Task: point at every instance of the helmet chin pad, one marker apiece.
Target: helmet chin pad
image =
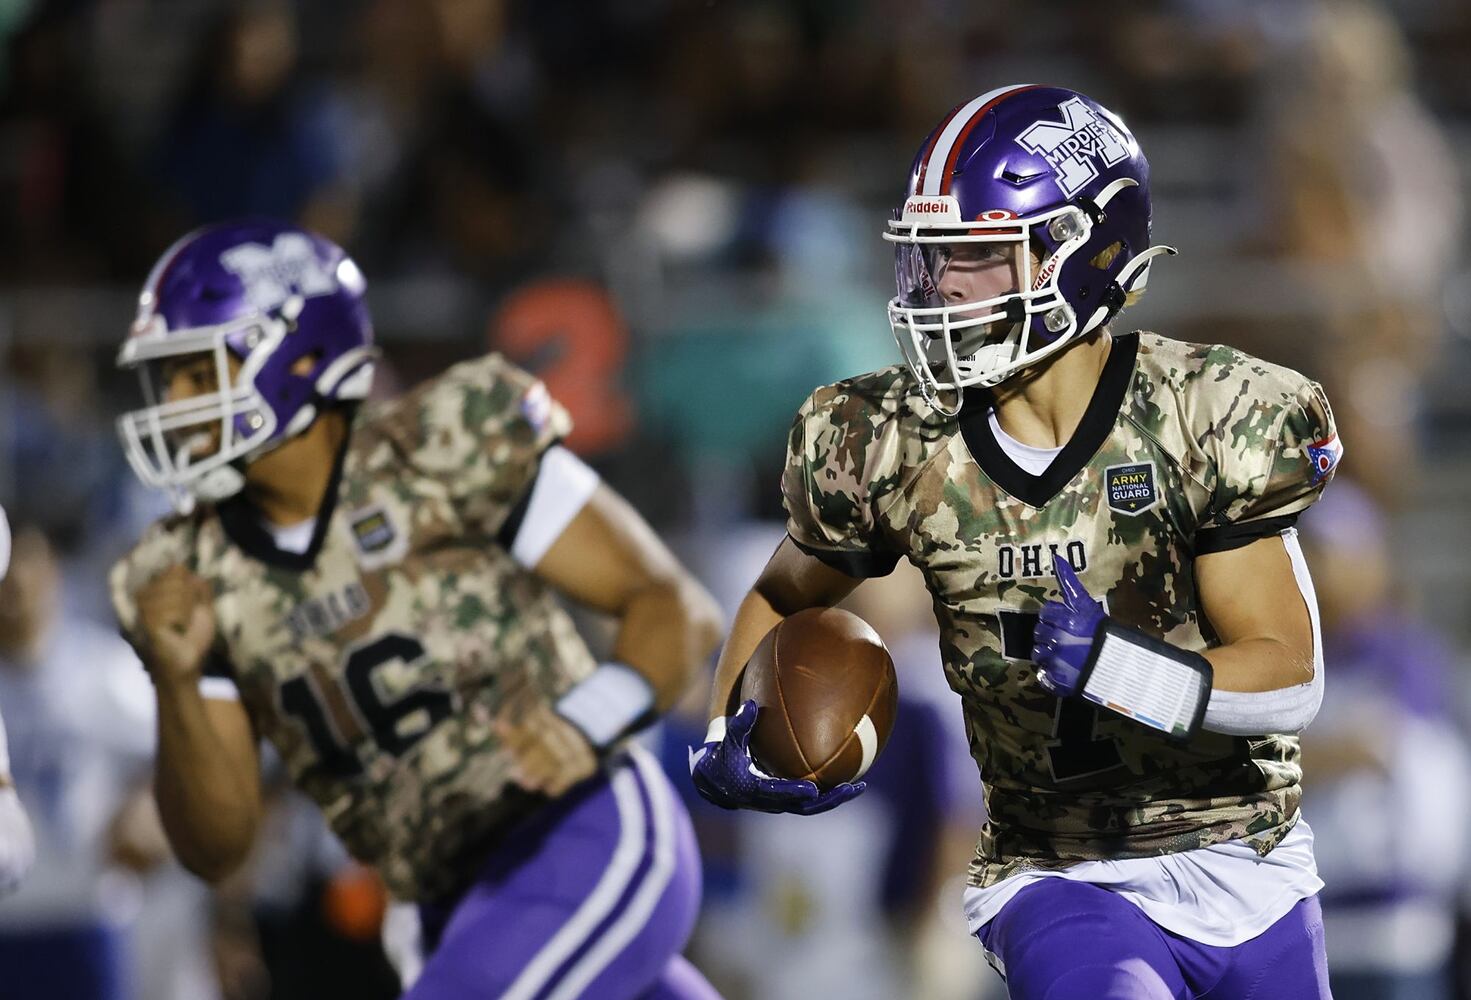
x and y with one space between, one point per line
991 355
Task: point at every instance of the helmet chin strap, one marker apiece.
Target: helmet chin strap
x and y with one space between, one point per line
931 395
992 352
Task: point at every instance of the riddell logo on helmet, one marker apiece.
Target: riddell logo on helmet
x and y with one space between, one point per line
936 207
1045 274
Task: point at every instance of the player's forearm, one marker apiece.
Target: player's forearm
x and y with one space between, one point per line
753 620
209 808
667 630
792 581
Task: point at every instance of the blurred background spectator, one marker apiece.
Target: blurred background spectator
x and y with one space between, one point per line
80 720
671 212
248 136
1391 774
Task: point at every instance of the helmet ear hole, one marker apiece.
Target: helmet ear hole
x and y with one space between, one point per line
1104 259
303 366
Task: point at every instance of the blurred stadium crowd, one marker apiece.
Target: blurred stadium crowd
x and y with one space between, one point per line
671 211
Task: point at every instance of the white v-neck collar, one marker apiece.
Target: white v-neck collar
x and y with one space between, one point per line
1032 459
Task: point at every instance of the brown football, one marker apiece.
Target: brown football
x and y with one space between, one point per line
826 689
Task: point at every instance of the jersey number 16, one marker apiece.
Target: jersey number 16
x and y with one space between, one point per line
393 725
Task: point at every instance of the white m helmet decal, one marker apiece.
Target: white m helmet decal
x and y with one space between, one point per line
272 274
1071 145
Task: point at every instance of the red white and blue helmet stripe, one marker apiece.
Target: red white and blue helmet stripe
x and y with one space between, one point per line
937 165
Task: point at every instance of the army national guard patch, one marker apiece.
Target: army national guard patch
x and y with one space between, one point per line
378 542
1131 488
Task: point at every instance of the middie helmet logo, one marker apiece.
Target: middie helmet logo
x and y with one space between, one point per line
1071 145
272 274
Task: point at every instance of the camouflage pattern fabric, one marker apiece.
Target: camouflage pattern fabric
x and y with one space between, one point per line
1207 442
375 670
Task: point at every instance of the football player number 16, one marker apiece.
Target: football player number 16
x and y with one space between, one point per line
394 726
1075 750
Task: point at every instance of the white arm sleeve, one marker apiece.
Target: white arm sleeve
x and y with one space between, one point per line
403 941
1251 713
564 483
1285 710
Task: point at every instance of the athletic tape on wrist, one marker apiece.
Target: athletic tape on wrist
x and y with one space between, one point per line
716 732
608 704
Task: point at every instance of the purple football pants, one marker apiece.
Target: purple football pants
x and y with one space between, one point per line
593 897
1063 940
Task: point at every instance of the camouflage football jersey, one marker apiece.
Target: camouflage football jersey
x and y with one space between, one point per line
375 661
1183 450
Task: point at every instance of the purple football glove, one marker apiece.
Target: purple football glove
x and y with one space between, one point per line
1065 631
724 774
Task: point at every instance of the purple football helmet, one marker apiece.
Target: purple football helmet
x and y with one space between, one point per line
287 306
1028 168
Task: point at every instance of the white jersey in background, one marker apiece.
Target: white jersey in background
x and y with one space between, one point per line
81 738
17 844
